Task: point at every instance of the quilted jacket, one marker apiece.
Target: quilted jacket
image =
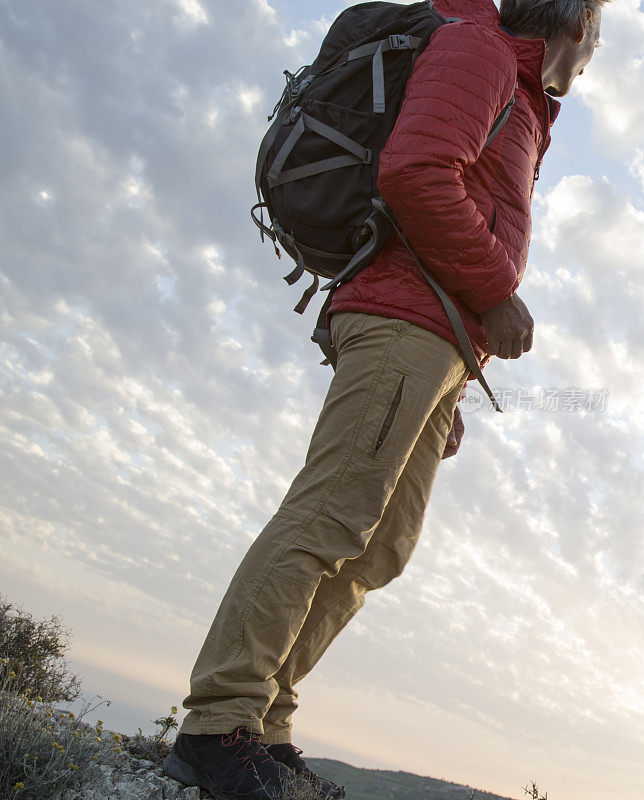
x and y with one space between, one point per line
467 217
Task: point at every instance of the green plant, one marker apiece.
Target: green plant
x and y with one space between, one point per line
33 651
533 791
41 755
155 747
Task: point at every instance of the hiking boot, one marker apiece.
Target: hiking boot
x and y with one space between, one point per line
232 765
289 755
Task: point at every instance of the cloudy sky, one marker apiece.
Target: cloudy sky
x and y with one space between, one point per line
158 396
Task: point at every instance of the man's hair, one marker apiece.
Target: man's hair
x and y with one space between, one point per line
546 18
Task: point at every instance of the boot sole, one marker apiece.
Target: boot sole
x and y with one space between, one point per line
181 771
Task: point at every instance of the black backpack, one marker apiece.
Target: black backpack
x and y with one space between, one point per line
318 164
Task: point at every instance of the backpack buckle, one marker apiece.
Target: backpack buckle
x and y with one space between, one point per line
300 88
293 116
400 41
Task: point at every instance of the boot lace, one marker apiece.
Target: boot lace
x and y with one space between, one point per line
244 740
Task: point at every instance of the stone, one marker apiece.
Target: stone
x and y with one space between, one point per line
171 790
122 776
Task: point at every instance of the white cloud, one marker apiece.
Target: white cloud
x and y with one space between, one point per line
193 11
159 395
636 167
611 84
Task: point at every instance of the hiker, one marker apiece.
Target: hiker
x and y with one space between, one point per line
352 516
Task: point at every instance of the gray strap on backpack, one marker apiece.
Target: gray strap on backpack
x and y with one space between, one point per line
450 309
304 122
395 42
378 74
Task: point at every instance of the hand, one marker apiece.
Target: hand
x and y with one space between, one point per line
509 328
455 435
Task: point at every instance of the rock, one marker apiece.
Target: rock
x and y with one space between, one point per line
122 776
171 790
141 763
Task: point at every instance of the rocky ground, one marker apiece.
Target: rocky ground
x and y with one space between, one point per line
130 775
130 778
123 776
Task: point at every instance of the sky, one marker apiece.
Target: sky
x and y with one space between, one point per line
158 396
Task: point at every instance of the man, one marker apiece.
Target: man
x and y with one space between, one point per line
351 519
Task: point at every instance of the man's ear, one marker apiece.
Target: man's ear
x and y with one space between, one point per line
582 29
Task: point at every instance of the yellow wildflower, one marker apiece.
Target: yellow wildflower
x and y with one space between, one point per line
19 785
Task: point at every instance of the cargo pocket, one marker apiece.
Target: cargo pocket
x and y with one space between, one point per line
389 419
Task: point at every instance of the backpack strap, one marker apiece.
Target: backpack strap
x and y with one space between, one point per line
357 153
322 335
378 235
500 121
297 273
394 42
450 309
300 308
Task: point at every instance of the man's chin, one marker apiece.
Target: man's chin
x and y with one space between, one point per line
553 92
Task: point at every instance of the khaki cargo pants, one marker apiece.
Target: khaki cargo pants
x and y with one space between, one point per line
348 524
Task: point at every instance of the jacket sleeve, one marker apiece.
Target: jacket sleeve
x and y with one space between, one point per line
458 87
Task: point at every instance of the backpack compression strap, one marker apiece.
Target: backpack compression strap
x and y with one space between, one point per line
450 309
376 49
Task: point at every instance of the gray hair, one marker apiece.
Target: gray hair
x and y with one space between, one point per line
546 18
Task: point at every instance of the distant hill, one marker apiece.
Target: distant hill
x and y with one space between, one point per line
380 784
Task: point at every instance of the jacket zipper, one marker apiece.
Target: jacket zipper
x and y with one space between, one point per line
493 220
386 425
546 130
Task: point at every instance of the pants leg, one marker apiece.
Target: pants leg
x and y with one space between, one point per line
339 598
391 376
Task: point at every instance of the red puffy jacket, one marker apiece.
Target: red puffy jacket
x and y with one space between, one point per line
467 217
